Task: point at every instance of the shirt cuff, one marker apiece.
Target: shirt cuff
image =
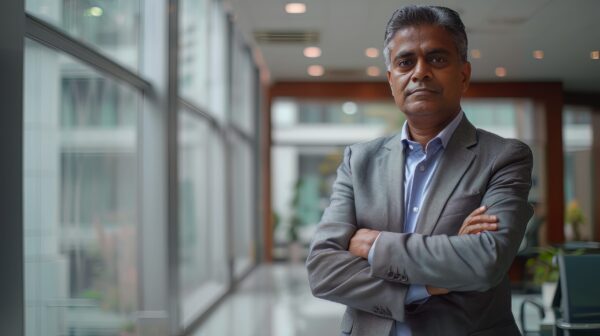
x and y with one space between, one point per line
372 250
416 294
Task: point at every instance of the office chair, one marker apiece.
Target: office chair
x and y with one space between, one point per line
579 295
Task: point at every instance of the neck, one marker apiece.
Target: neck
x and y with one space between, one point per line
423 131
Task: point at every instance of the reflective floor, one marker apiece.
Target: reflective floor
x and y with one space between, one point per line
275 300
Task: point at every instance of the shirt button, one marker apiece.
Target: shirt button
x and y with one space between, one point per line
415 209
422 167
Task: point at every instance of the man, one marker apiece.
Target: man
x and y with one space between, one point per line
423 225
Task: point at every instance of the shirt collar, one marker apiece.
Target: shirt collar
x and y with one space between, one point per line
443 136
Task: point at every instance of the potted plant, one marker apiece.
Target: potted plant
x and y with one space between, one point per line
544 269
574 218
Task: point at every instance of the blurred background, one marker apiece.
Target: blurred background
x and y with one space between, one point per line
167 162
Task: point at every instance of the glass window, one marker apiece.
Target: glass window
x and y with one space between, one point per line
243 205
113 27
243 88
80 202
219 62
288 112
578 173
194 51
202 252
302 181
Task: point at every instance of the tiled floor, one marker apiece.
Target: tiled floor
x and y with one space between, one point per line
274 300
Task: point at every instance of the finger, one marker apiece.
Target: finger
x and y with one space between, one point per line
478 228
483 219
478 211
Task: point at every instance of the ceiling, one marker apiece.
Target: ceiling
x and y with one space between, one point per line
505 31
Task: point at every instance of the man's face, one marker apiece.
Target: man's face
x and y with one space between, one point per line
427 76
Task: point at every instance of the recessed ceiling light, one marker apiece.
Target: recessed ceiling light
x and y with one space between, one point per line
538 54
295 8
312 52
372 52
475 53
373 71
595 54
349 108
500 71
316 70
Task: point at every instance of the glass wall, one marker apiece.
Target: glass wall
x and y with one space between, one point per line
578 139
94 116
215 155
80 198
112 27
202 251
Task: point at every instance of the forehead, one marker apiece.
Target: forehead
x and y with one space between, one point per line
422 38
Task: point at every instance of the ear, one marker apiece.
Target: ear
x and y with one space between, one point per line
389 78
466 75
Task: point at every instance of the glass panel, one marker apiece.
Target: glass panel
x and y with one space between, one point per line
244 83
219 62
202 252
111 26
243 206
290 112
302 181
194 50
80 168
578 173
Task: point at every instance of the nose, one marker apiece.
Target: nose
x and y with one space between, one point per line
422 71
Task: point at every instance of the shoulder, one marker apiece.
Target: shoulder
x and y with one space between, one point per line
371 147
360 155
491 140
503 149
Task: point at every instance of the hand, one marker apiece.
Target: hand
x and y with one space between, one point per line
475 223
361 242
436 291
478 222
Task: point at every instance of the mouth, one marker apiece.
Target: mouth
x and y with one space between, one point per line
421 91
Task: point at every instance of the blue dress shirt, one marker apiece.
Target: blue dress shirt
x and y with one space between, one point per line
419 167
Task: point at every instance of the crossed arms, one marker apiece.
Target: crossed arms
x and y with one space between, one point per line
458 263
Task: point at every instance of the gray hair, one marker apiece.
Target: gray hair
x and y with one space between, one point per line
431 15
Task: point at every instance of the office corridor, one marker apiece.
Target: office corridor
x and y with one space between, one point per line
275 300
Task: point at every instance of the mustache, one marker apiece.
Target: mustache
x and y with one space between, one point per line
427 88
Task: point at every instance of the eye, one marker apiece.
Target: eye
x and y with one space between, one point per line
404 63
438 59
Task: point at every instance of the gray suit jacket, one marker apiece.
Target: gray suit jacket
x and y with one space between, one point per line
477 168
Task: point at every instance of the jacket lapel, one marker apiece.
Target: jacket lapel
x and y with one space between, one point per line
395 184
455 161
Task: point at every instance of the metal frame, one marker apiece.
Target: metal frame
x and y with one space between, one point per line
173 167
55 38
153 245
12 318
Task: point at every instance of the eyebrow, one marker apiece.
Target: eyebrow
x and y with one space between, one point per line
438 51
429 52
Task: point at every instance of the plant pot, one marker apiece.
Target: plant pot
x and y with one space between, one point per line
548 290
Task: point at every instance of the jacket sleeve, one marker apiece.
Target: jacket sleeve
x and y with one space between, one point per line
468 262
334 273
